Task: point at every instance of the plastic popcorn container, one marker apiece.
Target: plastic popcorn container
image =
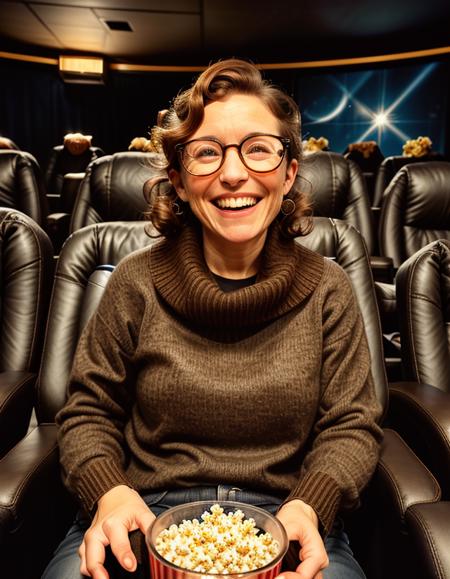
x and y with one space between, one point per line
161 568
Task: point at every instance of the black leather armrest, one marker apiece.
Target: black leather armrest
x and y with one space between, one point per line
16 404
57 217
400 481
25 474
35 509
429 527
382 268
58 226
387 304
421 414
401 477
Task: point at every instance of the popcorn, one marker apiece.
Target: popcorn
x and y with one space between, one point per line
417 147
219 543
312 145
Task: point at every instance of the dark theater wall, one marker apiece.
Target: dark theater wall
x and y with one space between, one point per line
37 108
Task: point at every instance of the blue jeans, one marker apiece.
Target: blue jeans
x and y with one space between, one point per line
66 562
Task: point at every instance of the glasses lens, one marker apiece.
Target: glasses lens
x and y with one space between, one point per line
262 153
202 157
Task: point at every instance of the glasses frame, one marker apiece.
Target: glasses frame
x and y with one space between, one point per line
285 142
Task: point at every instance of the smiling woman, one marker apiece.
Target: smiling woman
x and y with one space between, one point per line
213 141
286 415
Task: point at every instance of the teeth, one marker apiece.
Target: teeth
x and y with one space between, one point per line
233 202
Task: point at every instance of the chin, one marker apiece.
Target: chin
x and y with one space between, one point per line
243 235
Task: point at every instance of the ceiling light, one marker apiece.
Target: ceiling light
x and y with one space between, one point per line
82 69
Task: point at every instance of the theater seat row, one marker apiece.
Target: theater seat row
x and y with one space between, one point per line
416 208
403 488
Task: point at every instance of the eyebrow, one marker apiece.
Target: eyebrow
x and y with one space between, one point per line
214 138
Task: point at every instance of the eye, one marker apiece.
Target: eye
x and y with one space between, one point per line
204 151
260 148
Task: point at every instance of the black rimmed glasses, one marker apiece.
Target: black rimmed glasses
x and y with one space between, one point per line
258 152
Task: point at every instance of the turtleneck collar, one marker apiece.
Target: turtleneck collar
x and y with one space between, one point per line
288 275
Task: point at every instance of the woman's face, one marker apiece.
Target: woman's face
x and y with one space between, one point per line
258 195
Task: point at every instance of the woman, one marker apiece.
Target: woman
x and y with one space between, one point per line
224 362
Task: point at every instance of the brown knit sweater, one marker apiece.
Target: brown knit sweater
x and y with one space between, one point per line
176 383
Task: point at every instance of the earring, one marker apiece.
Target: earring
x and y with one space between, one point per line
287 207
176 208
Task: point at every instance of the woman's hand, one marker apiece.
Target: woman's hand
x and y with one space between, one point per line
119 511
301 524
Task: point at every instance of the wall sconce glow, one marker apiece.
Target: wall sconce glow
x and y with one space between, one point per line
81 64
82 69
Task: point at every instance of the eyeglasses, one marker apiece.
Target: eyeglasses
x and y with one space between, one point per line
259 152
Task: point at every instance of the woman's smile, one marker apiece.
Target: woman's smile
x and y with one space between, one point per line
236 204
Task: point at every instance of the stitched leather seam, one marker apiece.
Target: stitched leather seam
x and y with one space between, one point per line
27 478
420 521
437 488
39 260
428 415
13 394
409 323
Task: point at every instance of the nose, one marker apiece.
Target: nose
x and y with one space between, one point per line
233 170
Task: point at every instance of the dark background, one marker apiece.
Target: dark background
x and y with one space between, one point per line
37 107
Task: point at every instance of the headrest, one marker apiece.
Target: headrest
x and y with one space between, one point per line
326 177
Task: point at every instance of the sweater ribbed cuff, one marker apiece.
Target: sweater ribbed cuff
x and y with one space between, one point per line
97 478
321 492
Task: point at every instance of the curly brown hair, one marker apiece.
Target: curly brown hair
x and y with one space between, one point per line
167 212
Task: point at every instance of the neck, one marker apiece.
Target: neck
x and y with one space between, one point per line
233 260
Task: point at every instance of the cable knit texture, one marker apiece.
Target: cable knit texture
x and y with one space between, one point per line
176 383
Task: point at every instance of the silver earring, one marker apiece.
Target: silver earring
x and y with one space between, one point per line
177 210
287 207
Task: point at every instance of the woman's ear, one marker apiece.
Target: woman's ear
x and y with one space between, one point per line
291 174
177 182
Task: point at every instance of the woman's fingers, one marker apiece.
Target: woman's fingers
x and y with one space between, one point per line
117 533
94 555
144 519
300 523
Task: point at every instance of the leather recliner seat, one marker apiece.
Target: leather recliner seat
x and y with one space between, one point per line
390 166
416 210
423 303
22 185
337 188
368 160
112 189
30 486
61 162
26 274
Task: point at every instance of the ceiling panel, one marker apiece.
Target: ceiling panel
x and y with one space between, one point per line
82 29
67 16
153 33
198 31
20 23
75 28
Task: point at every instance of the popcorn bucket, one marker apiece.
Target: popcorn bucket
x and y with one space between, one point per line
161 568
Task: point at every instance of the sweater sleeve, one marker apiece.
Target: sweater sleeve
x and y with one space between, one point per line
345 437
100 394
